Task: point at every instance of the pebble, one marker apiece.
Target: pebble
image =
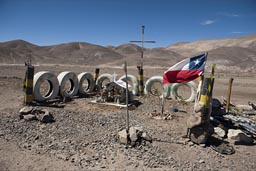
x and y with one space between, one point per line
201 161
190 143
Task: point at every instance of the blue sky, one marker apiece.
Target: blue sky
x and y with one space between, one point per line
116 22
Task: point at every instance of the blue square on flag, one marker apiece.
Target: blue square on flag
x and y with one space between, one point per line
197 62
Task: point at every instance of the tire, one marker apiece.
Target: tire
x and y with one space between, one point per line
134 81
65 76
81 78
175 87
149 83
39 78
102 78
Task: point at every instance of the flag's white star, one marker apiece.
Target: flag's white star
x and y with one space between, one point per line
197 62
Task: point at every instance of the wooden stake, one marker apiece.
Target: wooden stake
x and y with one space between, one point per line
229 94
162 106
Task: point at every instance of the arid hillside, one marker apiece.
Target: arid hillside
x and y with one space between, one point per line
240 52
236 52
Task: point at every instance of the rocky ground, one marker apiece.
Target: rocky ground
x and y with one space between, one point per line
84 136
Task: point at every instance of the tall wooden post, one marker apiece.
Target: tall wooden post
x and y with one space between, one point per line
96 74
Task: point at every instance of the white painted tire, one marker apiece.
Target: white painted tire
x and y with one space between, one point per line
193 89
81 78
102 78
39 78
134 81
65 76
149 83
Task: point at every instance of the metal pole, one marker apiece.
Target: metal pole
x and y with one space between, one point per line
229 94
127 111
142 46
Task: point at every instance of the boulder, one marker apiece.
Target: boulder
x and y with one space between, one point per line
244 107
25 110
139 130
133 135
216 107
123 137
146 137
194 120
45 116
239 136
220 132
29 117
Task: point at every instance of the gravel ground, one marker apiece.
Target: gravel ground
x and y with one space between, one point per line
84 136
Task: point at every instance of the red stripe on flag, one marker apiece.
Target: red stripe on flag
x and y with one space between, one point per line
180 76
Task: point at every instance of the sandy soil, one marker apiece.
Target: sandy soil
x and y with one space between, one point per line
84 135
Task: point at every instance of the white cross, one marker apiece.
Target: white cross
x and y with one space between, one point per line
114 76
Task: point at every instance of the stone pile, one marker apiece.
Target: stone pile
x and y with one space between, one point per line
134 136
29 113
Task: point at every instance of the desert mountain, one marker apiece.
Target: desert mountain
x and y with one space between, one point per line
200 46
17 51
240 52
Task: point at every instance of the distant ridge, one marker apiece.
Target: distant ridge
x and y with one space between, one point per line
239 52
208 45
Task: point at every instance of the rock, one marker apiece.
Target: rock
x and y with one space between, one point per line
46 117
25 110
199 134
123 136
244 107
220 132
239 136
216 107
146 137
158 117
1 133
29 117
139 130
201 161
199 107
194 120
190 143
133 135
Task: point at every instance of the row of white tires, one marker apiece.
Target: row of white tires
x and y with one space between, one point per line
57 85
172 89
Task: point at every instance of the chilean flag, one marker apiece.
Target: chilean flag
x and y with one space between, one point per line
186 70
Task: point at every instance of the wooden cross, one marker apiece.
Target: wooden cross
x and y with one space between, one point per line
142 44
